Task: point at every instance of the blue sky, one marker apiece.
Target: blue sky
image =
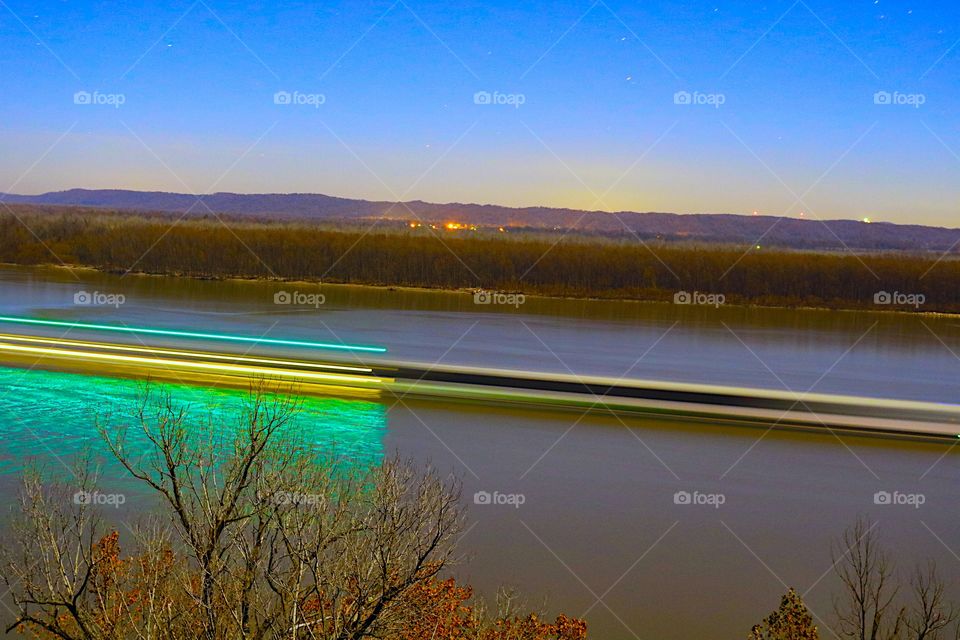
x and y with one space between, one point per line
783 115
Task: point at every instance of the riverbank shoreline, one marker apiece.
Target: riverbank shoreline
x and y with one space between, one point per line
465 292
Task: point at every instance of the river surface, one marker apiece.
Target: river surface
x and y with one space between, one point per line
599 532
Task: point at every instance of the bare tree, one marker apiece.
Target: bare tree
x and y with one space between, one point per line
257 537
48 576
870 606
930 615
866 609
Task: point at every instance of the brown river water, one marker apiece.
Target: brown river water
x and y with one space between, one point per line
589 513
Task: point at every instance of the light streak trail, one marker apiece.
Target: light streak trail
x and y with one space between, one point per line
186 364
174 352
192 334
688 401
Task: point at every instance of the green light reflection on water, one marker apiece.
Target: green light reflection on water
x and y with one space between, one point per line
47 415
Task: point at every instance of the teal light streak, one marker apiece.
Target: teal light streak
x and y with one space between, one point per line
192 334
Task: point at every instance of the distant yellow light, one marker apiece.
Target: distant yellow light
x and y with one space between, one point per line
502 230
866 220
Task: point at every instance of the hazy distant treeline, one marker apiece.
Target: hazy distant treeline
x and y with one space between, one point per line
208 248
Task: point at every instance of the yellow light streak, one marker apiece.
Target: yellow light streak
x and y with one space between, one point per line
185 364
176 352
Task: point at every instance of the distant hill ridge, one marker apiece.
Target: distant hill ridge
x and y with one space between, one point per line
710 227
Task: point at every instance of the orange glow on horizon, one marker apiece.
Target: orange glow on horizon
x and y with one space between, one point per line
459 226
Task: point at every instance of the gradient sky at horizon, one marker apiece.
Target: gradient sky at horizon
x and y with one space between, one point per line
799 129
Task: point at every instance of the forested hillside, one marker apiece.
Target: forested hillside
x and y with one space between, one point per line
710 227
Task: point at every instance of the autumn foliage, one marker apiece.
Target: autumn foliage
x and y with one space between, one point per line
125 589
447 614
253 535
791 621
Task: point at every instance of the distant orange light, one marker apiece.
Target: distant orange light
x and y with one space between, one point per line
455 226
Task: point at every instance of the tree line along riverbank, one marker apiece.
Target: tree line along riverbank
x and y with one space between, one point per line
211 247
